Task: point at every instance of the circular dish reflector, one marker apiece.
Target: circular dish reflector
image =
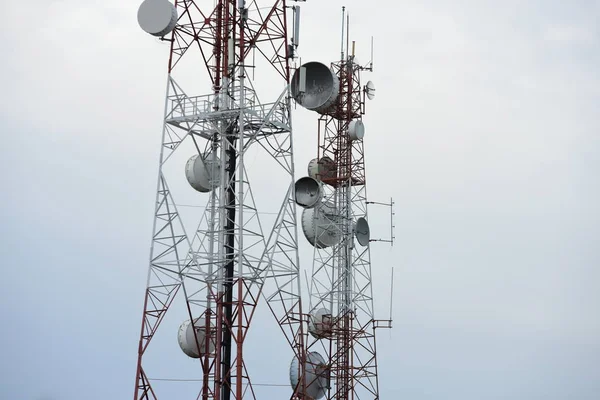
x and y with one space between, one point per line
362 231
187 341
157 17
315 86
203 173
307 192
321 169
356 129
316 375
319 323
320 227
370 90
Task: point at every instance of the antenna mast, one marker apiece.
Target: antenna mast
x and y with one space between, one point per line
334 221
210 268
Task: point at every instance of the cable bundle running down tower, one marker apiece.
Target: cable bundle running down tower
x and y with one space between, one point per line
220 261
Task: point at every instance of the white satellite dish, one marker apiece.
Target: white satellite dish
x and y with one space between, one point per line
307 192
157 17
320 323
370 90
187 340
356 129
316 375
321 169
362 231
203 173
315 87
320 227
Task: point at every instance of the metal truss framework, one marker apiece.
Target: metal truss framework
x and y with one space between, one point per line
341 277
225 265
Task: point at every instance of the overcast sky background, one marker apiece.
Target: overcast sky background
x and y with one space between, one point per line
485 130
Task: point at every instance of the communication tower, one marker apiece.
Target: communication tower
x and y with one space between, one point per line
334 220
226 255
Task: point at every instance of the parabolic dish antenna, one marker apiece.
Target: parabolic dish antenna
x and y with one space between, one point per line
320 324
370 90
187 340
203 172
316 375
362 231
157 17
356 129
320 227
315 87
307 192
321 169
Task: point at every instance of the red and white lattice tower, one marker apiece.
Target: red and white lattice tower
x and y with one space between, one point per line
209 267
334 220
215 251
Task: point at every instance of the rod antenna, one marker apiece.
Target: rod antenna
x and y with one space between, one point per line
371 62
347 34
391 295
392 226
342 44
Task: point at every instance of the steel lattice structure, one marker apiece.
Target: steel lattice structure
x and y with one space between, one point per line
341 276
223 260
225 265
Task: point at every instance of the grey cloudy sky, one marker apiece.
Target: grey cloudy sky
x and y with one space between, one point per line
485 130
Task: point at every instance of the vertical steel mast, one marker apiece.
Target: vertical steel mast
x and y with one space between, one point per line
222 266
334 197
352 351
